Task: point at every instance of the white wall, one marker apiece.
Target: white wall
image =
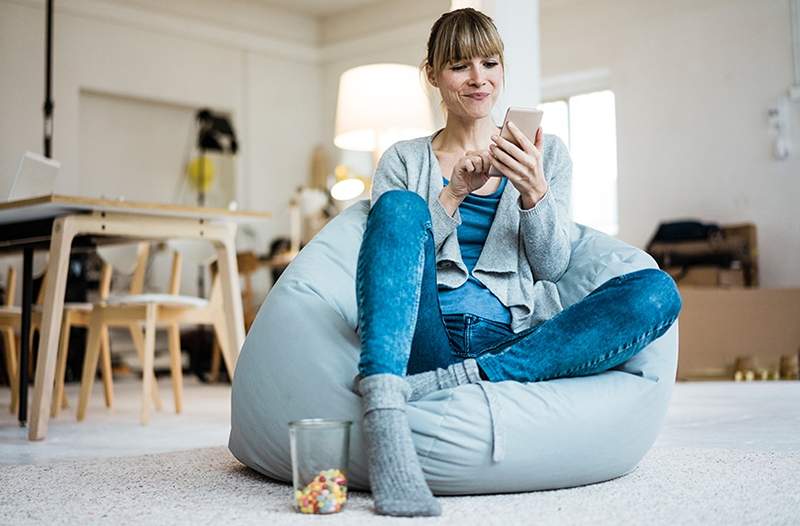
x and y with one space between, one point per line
693 80
517 22
137 149
259 64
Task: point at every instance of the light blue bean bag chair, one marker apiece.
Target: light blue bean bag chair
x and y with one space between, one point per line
301 354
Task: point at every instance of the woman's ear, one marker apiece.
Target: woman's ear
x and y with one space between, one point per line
431 78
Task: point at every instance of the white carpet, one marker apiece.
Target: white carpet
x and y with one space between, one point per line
729 453
208 486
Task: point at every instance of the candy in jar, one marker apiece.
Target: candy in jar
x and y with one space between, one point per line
326 493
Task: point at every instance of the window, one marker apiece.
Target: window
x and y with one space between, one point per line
587 125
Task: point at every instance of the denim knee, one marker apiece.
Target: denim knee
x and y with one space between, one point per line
660 294
400 208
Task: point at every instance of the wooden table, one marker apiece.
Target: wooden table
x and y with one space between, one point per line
59 221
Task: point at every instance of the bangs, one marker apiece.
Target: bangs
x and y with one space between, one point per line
464 37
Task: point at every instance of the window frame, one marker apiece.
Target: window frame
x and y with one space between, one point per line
561 89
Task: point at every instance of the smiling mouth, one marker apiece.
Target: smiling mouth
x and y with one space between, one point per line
478 96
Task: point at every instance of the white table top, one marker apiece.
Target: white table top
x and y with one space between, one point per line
50 206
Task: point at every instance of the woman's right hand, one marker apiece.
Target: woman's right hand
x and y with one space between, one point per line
469 173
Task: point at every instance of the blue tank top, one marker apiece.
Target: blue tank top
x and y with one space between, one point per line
477 214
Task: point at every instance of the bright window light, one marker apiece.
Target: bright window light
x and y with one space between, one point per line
587 125
556 119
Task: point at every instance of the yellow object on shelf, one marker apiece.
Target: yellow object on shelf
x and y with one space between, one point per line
201 173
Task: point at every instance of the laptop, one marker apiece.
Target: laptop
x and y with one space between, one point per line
36 176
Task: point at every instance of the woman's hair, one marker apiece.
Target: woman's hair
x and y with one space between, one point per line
462 34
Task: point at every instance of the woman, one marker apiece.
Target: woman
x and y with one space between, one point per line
457 270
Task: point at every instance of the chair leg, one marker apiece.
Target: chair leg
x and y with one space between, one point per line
59 397
9 343
147 362
175 365
216 360
138 342
89 365
105 364
221 339
31 362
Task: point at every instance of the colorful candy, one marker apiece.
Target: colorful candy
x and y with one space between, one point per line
327 493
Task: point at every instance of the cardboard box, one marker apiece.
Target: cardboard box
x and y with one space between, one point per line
707 276
736 243
716 325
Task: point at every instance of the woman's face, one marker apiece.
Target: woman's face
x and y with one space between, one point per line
470 88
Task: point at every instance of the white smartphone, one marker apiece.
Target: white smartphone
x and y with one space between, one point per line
527 120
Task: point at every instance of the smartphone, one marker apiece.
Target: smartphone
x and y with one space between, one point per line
527 120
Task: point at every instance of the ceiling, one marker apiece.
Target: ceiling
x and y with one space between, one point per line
323 8
319 8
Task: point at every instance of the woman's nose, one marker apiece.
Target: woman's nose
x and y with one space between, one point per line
476 76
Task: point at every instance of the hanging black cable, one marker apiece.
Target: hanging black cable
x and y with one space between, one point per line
48 83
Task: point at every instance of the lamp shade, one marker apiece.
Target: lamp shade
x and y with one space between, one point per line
380 104
347 189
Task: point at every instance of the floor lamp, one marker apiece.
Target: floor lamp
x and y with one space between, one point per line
378 105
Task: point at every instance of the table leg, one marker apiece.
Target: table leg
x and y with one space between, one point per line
148 377
25 331
231 300
60 244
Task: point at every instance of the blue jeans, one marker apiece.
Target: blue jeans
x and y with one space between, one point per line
403 331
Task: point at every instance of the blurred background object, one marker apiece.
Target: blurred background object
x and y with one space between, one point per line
214 134
380 104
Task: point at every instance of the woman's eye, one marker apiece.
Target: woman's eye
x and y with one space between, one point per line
490 64
458 67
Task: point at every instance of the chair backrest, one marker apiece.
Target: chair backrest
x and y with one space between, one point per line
130 260
133 260
188 258
35 176
11 287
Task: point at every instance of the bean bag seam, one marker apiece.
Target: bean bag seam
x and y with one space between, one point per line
444 414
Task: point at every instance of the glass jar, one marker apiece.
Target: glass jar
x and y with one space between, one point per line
320 451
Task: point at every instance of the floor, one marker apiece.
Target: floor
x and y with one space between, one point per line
753 416
204 422
763 416
729 453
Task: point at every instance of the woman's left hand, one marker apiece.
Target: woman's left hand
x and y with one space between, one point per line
522 166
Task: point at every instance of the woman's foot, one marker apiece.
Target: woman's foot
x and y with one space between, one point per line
398 484
461 373
422 384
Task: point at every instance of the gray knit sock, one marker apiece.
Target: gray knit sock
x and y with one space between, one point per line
460 373
398 485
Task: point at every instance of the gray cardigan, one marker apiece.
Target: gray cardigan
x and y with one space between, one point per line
526 251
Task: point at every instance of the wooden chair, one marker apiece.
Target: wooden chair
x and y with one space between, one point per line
249 264
9 339
79 315
144 313
75 315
